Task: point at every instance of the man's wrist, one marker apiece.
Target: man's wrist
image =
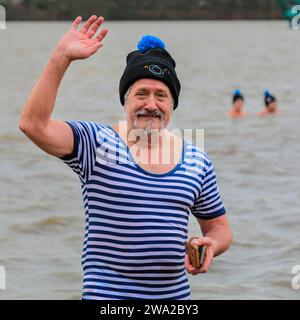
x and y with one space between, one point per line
215 247
59 59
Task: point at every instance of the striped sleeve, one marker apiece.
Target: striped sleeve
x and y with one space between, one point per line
83 157
209 204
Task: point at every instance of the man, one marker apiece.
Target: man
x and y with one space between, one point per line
237 106
270 105
136 209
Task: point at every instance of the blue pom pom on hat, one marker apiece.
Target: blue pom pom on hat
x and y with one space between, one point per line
150 42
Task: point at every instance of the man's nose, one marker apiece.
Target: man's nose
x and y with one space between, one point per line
151 103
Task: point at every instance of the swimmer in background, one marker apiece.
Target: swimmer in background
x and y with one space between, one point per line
237 106
270 105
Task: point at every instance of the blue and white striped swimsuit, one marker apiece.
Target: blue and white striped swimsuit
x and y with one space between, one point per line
137 221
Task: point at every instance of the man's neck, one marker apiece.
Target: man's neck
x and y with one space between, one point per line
158 147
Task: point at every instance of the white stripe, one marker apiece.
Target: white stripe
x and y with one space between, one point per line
120 280
143 201
123 232
112 286
140 187
134 224
147 254
137 246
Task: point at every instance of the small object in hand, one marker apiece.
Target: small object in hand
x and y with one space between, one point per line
196 253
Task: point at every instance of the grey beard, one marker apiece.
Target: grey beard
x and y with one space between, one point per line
148 130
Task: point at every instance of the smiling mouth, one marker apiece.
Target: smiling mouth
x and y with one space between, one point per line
149 116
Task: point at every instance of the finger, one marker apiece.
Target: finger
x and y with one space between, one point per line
102 35
95 26
202 241
189 267
87 25
76 23
94 47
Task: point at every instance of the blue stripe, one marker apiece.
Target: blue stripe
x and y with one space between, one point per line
132 250
97 296
160 292
136 235
138 197
137 205
147 256
163 221
137 213
135 243
138 284
124 227
163 273
208 216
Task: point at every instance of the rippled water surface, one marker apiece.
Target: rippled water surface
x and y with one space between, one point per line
256 159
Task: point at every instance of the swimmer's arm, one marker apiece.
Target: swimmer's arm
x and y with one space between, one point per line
55 136
218 230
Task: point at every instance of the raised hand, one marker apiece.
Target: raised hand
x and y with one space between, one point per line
81 44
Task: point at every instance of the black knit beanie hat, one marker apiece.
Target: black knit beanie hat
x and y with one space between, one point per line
268 98
151 61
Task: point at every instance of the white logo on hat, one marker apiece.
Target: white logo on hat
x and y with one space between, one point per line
157 70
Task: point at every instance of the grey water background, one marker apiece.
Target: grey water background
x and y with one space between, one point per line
256 159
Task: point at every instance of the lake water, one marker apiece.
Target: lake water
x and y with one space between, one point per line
256 159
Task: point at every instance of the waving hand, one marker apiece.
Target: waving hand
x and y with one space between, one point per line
81 44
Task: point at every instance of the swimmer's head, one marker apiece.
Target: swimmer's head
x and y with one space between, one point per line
237 96
270 101
238 100
268 98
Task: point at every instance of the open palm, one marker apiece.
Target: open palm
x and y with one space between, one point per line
80 44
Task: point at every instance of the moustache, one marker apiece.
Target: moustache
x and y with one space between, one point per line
145 112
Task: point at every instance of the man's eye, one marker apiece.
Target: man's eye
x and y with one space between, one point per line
141 94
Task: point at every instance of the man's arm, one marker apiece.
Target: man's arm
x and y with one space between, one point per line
219 231
55 136
217 237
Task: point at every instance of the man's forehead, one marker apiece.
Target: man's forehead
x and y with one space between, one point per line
150 84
